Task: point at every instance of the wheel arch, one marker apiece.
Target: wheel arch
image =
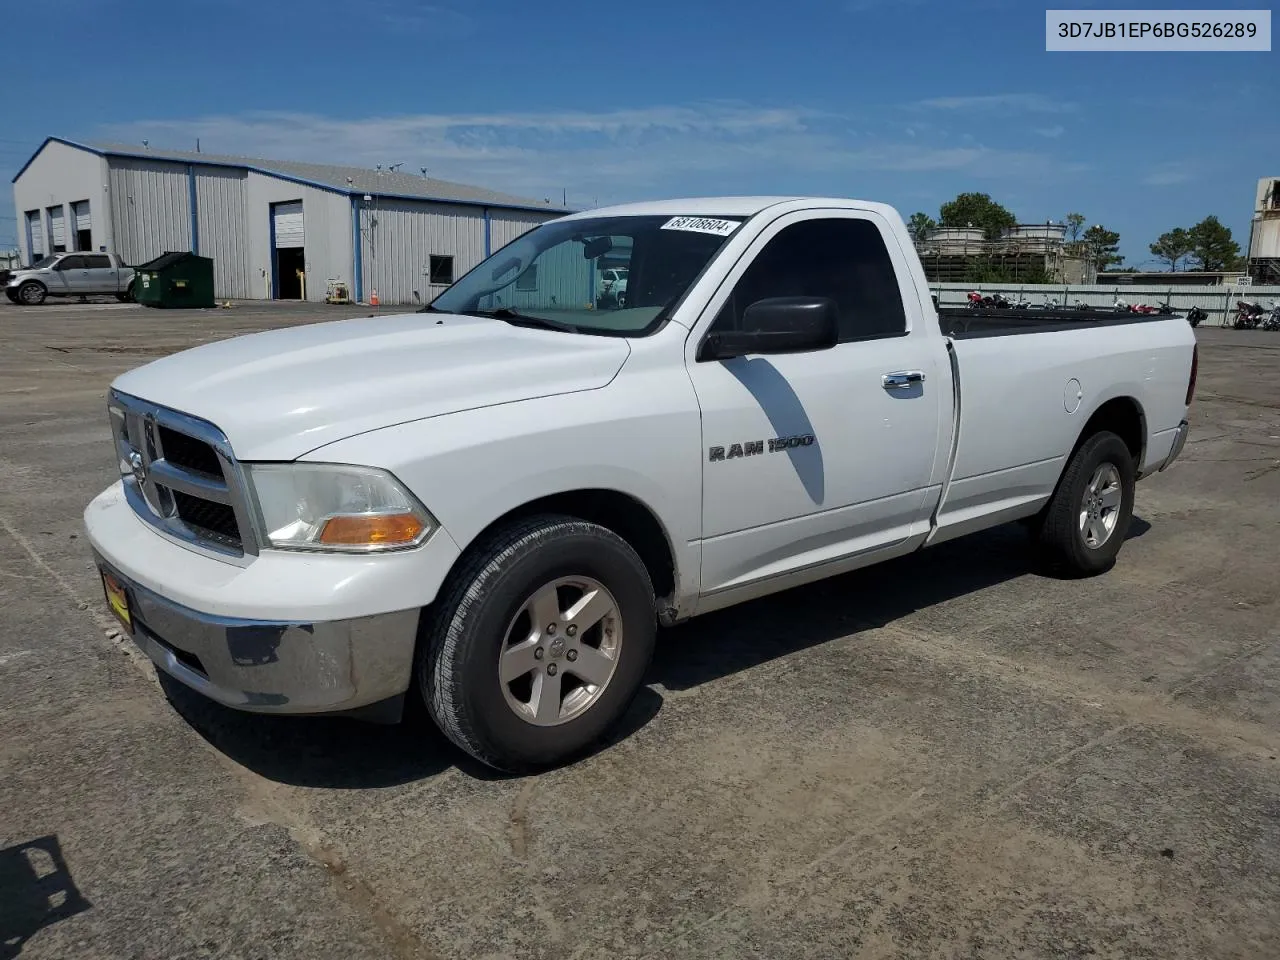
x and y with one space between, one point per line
1123 416
626 515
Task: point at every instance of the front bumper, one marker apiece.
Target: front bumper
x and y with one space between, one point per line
266 666
284 633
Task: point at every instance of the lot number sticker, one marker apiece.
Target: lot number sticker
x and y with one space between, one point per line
721 228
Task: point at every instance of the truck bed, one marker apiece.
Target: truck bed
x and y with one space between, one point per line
964 323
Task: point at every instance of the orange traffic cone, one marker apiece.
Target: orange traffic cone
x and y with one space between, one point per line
373 301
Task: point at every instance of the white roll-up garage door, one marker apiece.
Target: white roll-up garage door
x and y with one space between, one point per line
35 230
288 224
57 228
80 210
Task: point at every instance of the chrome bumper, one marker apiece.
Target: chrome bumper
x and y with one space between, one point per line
337 666
1179 441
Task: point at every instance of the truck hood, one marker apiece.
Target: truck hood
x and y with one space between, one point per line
282 393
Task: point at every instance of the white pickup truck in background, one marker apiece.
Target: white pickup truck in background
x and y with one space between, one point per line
492 503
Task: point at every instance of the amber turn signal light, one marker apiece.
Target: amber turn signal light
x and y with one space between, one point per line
383 529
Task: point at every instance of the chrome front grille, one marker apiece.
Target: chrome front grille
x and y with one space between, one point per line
181 477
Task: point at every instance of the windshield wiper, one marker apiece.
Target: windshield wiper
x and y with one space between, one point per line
431 309
524 320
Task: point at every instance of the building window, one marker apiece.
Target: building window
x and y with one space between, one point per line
440 270
529 279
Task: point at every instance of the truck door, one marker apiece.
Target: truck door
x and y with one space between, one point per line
102 276
69 275
819 456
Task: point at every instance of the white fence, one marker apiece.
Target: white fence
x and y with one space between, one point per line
1218 301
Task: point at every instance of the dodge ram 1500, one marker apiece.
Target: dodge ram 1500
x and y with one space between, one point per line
492 503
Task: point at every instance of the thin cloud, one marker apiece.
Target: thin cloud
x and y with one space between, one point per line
1020 102
1168 175
425 18
631 153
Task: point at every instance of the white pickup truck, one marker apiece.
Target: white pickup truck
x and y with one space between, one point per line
492 503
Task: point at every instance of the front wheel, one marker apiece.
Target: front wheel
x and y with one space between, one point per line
538 644
32 293
1087 519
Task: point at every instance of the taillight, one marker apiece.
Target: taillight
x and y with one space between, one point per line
1195 368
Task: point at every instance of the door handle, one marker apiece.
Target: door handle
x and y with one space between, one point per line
902 380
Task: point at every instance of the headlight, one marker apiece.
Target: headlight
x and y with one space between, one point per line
335 507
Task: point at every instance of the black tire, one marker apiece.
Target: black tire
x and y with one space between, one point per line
464 636
12 295
1062 543
32 293
127 295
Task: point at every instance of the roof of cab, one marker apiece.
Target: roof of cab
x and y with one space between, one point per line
720 206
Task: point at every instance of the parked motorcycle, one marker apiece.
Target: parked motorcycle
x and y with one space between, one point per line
1123 306
1022 303
1195 315
1271 319
1248 315
993 301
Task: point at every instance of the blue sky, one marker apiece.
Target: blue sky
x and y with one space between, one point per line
906 101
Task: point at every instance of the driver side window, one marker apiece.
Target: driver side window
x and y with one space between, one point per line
842 258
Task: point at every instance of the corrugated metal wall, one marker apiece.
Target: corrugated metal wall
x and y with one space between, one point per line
150 208
398 238
328 232
1217 301
220 215
506 225
396 253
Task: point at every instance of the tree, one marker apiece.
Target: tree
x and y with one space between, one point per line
1211 245
1173 246
1075 223
976 210
920 225
1101 246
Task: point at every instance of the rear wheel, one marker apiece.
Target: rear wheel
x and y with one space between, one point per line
539 643
1086 521
32 293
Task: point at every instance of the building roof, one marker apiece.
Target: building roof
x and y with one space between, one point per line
339 179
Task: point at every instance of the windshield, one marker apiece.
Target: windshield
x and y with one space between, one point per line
567 272
42 263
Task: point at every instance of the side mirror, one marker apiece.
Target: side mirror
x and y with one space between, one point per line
778 325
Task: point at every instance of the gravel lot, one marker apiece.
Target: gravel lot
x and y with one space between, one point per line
946 756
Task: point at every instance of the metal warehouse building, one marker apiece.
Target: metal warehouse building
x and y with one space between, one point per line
275 229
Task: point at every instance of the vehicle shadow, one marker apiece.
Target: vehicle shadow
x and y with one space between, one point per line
338 753
36 891
344 754
749 634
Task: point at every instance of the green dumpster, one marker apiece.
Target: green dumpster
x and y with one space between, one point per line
175 279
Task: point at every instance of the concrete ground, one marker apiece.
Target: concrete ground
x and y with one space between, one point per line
946 756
